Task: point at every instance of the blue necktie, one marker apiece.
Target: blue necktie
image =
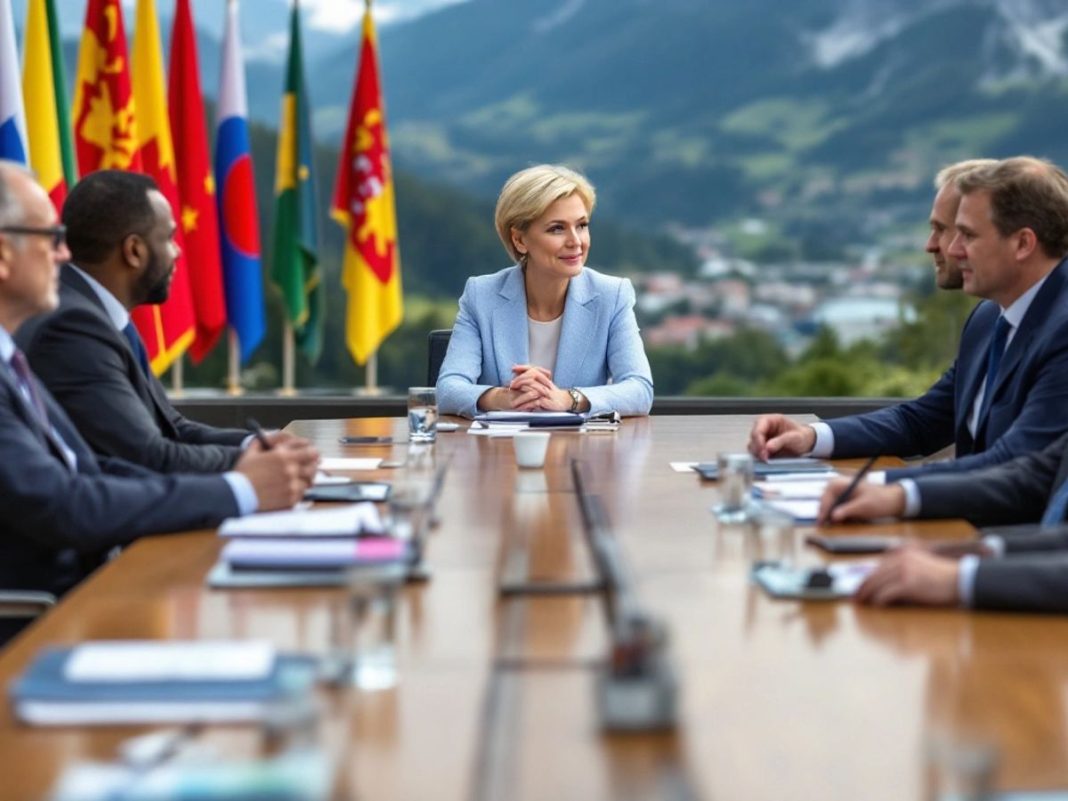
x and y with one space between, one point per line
137 346
993 360
1058 505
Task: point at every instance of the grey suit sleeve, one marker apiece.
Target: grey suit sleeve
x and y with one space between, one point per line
631 390
81 363
43 502
1013 492
194 432
1023 584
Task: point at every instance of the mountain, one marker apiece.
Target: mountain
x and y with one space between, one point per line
817 112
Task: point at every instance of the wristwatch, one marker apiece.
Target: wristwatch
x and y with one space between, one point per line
576 399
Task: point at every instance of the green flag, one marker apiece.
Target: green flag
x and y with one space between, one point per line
295 267
59 80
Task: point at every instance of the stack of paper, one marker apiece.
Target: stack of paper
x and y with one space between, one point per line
156 682
302 548
506 424
341 521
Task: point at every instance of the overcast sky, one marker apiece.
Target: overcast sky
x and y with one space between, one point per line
337 16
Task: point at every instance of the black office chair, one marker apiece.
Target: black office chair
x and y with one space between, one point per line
18 608
25 603
437 343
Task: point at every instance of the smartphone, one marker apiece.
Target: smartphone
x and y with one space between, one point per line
853 543
366 440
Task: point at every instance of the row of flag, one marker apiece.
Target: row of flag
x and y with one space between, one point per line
121 118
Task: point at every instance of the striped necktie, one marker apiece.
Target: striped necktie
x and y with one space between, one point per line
21 368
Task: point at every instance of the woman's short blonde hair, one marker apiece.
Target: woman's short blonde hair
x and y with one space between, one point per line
527 194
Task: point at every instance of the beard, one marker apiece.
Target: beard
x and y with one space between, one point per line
155 285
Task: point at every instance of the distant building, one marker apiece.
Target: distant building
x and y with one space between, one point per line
688 331
854 318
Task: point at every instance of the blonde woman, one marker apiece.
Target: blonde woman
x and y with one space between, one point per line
547 333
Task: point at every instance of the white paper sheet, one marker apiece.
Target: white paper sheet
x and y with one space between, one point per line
348 463
339 521
137 661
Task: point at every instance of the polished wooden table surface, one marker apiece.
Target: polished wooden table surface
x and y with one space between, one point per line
496 696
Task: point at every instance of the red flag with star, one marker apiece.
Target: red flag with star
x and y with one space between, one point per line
196 186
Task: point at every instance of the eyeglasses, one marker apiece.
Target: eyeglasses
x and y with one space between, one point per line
58 233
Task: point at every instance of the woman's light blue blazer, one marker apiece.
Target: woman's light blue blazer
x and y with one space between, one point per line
599 342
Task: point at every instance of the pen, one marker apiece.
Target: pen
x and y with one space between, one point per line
257 432
849 490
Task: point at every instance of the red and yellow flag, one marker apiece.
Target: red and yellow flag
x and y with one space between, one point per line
196 185
47 116
169 328
363 203
105 130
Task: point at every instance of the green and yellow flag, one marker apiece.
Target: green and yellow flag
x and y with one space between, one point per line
44 79
295 267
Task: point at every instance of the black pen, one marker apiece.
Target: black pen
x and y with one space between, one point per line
852 486
257 432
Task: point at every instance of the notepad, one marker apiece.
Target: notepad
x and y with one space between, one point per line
339 521
128 661
165 686
790 490
802 511
303 554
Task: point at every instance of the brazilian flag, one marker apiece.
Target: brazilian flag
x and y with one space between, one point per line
295 263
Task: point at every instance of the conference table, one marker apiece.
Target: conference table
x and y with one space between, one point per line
495 693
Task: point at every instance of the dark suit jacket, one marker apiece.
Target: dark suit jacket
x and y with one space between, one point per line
57 524
92 371
1026 408
1032 577
1005 494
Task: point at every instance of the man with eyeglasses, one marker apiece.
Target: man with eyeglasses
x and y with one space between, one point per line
120 230
61 508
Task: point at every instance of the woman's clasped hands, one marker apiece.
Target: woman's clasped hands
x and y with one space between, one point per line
532 389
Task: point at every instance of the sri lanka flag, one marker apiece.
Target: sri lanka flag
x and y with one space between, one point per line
363 204
238 219
12 116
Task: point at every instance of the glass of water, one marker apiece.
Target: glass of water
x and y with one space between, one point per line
735 487
422 414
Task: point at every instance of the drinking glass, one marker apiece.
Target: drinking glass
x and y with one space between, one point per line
958 769
422 414
735 487
770 537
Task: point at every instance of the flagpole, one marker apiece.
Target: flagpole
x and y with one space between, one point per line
233 372
288 361
370 375
177 384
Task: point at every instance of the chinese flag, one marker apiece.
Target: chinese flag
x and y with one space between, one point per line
169 328
105 130
363 203
196 185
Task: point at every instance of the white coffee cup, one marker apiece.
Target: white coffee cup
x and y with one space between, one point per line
530 447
